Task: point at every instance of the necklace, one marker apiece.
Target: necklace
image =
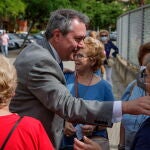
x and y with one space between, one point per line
76 86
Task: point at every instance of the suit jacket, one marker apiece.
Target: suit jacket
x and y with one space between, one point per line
42 93
142 138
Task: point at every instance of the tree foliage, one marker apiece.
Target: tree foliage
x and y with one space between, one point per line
38 10
11 7
9 11
102 13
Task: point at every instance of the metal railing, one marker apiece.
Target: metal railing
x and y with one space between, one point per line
133 29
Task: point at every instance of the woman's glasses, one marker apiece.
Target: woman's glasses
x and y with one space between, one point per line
145 83
79 56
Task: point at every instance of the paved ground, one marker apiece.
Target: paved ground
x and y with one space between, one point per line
118 88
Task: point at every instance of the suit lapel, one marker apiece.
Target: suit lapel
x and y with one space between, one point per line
44 43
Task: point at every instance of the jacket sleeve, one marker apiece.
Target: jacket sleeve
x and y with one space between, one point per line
46 82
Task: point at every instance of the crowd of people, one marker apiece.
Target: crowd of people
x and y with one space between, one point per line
52 109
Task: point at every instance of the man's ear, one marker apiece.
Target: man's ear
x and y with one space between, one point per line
57 34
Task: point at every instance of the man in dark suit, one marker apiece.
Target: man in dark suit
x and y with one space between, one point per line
41 90
142 137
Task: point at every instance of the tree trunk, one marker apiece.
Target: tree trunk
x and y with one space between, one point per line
30 28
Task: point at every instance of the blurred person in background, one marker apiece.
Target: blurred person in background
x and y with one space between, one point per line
17 132
131 123
93 34
4 39
108 63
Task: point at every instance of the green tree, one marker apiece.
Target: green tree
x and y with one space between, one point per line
11 9
103 15
37 11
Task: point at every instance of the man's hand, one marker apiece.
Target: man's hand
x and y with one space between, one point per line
69 129
86 145
137 106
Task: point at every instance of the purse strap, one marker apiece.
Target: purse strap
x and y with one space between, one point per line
76 86
10 133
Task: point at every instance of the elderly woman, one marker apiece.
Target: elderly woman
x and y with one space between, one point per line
130 124
85 83
142 137
17 132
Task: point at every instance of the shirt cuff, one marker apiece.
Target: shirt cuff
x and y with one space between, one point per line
117 112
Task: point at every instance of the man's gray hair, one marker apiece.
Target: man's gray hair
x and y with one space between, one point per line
61 19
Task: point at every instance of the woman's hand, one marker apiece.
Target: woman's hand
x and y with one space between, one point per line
69 129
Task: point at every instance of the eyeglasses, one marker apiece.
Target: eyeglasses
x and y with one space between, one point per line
79 56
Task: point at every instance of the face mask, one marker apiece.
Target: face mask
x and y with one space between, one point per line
104 38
